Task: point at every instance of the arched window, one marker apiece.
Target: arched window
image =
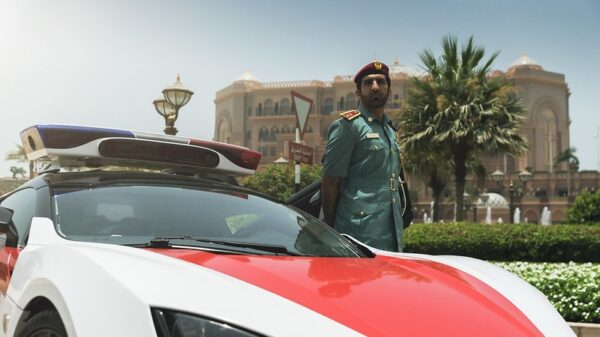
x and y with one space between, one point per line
223 132
263 149
285 107
249 111
273 151
273 134
350 101
309 129
276 109
268 107
327 106
285 129
263 135
341 105
259 110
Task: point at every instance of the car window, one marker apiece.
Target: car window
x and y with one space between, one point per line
128 214
22 204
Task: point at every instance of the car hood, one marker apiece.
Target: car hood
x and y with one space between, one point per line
412 296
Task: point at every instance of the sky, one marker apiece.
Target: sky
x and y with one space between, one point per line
103 62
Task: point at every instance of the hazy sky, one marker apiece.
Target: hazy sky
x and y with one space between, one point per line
103 62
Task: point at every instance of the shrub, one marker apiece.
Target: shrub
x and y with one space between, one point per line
573 289
585 209
278 180
507 242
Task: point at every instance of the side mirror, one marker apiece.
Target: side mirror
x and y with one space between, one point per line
5 219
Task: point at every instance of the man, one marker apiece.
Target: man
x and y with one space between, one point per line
362 190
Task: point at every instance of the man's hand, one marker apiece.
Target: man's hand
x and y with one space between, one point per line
330 193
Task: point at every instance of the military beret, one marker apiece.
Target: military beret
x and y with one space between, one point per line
375 67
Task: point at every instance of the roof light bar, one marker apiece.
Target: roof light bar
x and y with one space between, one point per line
90 146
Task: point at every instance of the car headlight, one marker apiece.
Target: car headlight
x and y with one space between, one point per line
177 324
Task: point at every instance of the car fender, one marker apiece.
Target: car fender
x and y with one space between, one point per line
523 295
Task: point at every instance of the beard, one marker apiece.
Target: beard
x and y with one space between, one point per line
375 99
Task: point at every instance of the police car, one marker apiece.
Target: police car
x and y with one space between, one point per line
135 234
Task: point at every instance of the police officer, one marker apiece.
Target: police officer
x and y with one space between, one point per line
362 190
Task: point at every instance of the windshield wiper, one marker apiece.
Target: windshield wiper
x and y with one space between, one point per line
165 242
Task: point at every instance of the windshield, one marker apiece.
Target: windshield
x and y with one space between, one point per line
190 216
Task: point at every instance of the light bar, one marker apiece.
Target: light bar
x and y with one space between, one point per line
90 146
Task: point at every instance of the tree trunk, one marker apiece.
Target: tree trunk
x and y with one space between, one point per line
460 172
437 187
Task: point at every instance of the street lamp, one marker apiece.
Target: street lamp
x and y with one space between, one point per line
524 177
281 161
174 97
497 176
513 190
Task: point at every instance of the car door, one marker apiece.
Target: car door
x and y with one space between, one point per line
308 199
22 204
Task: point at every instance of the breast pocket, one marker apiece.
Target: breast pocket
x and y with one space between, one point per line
375 155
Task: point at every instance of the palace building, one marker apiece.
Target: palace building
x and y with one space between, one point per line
259 116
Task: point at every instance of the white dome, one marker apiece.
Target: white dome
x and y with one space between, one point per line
247 76
526 61
397 68
494 200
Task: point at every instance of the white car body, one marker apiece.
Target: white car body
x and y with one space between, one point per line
107 290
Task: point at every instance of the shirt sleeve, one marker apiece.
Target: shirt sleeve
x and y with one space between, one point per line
338 151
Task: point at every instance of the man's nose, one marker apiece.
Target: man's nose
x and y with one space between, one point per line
375 86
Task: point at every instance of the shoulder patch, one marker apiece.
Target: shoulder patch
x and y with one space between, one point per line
350 115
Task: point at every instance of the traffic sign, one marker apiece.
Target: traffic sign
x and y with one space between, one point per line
301 105
300 153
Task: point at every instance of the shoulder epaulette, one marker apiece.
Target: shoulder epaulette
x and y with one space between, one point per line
350 115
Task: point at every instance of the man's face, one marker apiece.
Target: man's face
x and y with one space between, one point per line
373 91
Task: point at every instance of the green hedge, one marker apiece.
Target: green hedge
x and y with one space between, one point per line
506 242
573 288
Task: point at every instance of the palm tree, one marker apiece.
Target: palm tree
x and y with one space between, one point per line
20 156
568 156
423 158
17 171
462 110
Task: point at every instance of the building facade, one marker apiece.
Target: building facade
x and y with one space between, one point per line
259 116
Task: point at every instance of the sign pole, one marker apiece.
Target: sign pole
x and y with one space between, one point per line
297 166
301 106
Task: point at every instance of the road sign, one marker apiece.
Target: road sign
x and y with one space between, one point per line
300 153
301 105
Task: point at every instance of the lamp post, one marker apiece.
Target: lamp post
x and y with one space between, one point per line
524 177
173 98
513 190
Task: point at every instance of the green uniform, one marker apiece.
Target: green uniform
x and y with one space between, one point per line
366 154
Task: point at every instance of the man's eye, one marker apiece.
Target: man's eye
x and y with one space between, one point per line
368 82
380 81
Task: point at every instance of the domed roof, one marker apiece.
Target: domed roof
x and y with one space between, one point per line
397 68
494 200
526 61
247 76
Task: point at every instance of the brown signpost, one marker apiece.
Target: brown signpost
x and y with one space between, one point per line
300 153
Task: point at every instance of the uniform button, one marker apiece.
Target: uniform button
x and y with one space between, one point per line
362 213
370 119
393 200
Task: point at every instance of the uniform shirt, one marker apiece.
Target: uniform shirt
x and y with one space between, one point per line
366 154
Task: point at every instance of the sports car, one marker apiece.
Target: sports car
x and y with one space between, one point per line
135 234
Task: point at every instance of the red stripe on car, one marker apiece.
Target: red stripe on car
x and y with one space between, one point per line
382 296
